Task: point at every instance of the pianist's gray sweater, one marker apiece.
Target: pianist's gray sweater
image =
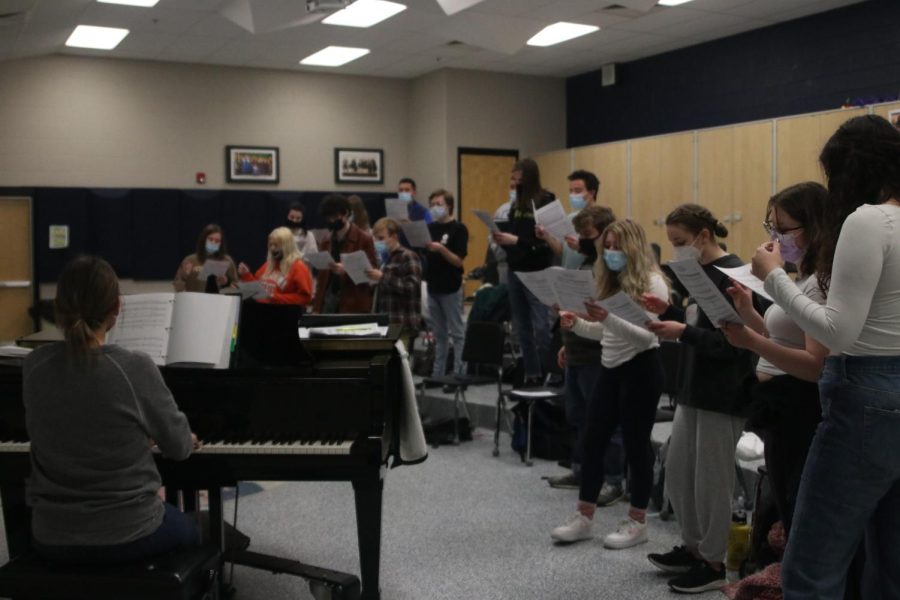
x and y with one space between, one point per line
93 478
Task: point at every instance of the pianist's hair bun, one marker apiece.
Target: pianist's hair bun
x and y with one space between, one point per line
86 295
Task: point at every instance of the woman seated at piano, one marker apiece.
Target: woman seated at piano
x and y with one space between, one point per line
93 412
209 268
284 276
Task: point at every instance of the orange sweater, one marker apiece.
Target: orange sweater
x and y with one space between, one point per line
296 288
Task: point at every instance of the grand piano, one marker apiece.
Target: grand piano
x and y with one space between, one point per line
326 416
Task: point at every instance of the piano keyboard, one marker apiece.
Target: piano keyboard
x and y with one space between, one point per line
337 447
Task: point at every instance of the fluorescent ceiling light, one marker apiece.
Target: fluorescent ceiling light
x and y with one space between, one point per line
144 3
98 38
672 2
365 13
334 56
560 32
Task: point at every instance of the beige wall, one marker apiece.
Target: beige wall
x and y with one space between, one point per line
76 121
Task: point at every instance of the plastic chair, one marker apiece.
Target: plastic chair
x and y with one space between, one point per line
483 345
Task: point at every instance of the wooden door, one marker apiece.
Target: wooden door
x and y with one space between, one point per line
483 185
16 277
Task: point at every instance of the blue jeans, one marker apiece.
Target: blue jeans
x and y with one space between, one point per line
177 529
445 312
580 383
531 320
850 485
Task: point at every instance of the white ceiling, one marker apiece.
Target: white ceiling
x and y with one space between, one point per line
485 35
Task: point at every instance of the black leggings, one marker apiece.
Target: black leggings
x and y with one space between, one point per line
626 395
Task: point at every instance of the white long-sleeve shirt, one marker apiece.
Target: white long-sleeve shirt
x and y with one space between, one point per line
622 340
862 314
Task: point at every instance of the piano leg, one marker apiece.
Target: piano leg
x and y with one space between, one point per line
16 519
368 493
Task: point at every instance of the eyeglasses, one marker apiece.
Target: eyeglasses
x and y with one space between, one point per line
771 230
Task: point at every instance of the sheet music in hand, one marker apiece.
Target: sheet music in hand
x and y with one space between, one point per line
488 219
744 276
214 267
416 233
554 220
704 292
186 327
623 306
356 264
395 208
320 260
567 288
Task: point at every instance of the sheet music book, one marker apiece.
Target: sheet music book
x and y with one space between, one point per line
395 208
356 264
704 292
416 233
186 327
554 220
567 288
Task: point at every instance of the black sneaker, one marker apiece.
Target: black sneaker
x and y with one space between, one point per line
679 560
565 482
701 578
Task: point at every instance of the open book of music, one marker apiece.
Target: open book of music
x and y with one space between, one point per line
183 328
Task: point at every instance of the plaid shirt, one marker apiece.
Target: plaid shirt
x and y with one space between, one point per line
399 293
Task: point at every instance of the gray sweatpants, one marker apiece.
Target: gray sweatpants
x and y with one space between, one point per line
700 477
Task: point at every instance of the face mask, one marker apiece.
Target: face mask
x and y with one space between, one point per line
686 252
336 225
277 255
212 247
577 201
382 250
293 224
405 196
588 248
615 260
438 212
790 251
512 195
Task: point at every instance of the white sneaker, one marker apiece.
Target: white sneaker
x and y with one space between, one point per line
577 528
629 533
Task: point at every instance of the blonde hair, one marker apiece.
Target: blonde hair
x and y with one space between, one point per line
284 239
634 279
387 225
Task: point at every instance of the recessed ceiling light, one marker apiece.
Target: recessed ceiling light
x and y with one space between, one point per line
672 2
334 56
98 38
560 32
144 3
365 13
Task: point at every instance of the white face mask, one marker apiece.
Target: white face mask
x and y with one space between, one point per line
686 252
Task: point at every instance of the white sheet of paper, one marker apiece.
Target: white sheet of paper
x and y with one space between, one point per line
356 264
396 209
320 260
214 267
623 306
704 292
572 287
487 219
540 285
252 289
416 233
743 276
12 351
143 325
555 221
198 313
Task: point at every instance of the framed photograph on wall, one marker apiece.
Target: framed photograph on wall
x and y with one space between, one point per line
251 164
358 165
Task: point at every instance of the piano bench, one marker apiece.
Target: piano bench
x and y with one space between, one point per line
186 573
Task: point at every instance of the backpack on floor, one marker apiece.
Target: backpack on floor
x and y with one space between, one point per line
551 437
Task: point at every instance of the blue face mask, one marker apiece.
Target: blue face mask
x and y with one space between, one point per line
438 212
615 260
382 250
512 195
212 247
405 196
577 201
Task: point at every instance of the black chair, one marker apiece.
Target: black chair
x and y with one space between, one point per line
186 573
483 345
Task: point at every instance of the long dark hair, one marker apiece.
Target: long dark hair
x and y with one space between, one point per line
805 203
530 188
202 254
696 218
862 163
87 293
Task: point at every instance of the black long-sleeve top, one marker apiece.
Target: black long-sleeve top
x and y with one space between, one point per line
529 253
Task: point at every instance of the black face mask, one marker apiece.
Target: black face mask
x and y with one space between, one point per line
292 225
277 255
336 225
588 248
